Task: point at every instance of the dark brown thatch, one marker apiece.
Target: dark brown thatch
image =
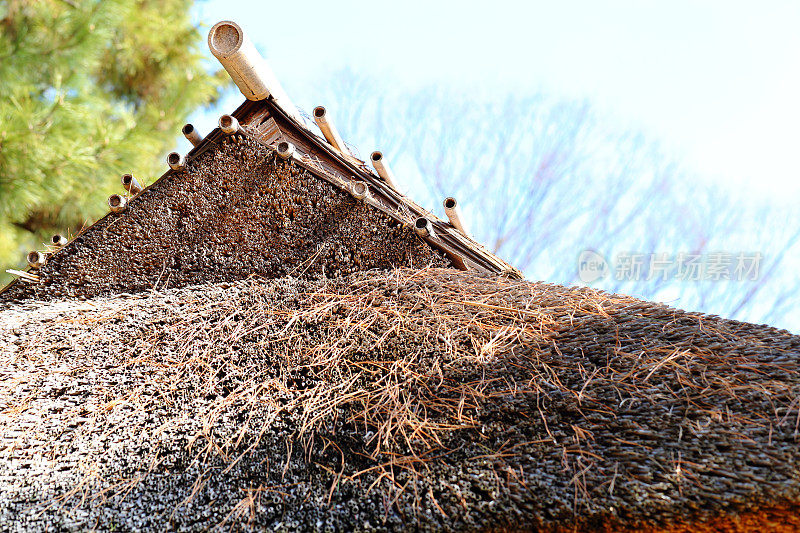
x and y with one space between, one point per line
235 210
430 399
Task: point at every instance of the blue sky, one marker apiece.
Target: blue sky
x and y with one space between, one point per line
718 83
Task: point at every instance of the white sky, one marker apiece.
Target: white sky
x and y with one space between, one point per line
718 82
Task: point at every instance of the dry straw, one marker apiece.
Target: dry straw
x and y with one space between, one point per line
408 398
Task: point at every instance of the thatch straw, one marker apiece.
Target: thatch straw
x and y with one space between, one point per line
408 399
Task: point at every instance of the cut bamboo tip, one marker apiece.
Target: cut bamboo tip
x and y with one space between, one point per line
423 227
131 184
285 149
382 168
36 259
248 70
117 203
359 190
176 161
58 240
329 130
228 124
191 134
451 210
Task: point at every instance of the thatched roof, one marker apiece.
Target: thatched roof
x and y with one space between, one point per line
234 206
409 399
236 209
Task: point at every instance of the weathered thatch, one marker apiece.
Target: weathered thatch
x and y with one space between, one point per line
234 210
430 399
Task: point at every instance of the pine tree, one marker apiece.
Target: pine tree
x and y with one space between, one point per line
90 89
